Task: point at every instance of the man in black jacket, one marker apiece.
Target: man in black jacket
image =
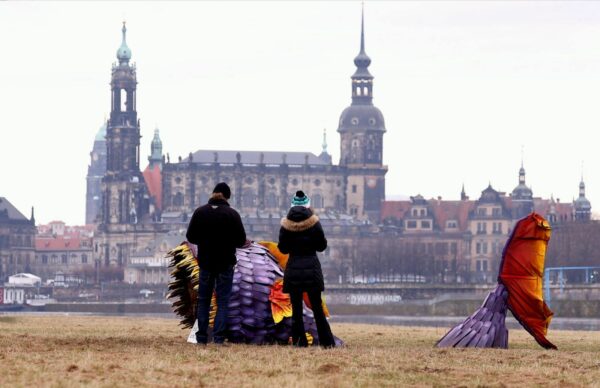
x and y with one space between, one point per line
217 230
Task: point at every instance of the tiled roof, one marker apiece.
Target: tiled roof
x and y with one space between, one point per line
394 209
451 210
153 178
59 243
563 210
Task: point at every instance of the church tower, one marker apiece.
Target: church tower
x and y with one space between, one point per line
522 197
96 171
361 128
123 186
582 208
156 155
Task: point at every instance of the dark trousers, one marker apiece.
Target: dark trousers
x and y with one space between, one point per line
298 331
206 286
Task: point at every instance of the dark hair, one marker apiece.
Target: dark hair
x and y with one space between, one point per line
224 189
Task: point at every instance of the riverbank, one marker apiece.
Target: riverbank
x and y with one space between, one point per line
420 308
107 351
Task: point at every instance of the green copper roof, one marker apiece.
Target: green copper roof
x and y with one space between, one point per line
124 52
101 135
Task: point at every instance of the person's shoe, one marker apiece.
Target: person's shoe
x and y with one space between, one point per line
201 341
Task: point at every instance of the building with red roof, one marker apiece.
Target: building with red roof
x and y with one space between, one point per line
466 237
63 248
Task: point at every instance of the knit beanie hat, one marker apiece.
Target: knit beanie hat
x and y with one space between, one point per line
223 189
301 199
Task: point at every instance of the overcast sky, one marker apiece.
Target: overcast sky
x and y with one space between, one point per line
463 87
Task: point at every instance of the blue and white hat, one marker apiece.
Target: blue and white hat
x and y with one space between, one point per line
301 199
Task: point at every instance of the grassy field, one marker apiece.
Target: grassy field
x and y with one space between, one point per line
66 351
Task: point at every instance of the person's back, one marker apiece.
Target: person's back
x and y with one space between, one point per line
301 235
217 230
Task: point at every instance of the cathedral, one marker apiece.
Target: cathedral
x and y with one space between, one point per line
134 208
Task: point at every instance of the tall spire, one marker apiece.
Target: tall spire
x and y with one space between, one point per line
362 80
324 145
124 53
362 60
581 184
362 29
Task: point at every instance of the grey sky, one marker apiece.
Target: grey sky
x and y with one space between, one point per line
462 86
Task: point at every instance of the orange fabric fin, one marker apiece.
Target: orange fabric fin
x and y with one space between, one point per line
521 272
281 306
281 258
307 302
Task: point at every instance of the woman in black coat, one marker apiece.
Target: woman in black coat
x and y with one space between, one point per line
301 235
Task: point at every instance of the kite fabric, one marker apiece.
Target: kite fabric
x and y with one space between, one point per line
521 272
485 328
259 312
519 290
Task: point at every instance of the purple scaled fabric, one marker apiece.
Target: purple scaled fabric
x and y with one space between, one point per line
485 328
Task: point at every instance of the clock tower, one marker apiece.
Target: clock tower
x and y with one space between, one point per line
361 128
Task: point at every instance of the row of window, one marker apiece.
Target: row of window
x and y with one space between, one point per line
250 199
496 227
412 224
419 212
16 241
249 180
438 248
481 247
18 259
483 211
64 259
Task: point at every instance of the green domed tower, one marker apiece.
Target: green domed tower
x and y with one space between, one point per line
125 200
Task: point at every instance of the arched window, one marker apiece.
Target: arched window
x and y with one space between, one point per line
317 201
365 91
248 198
84 258
44 259
271 200
64 259
178 199
123 100
358 90
338 202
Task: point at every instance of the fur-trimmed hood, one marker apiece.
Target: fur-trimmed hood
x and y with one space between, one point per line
299 226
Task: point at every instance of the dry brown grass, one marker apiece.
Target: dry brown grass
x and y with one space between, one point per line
66 351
